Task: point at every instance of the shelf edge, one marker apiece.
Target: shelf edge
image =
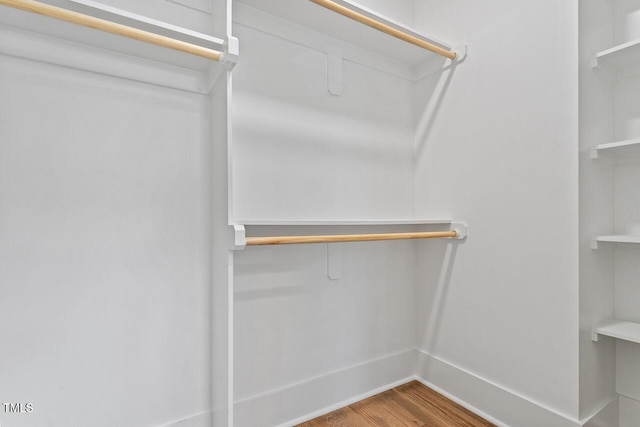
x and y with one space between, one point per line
617 329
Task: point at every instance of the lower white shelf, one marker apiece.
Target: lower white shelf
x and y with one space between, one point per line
258 233
620 329
621 238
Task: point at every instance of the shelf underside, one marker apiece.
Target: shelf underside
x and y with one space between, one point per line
31 36
624 58
618 150
619 329
311 16
621 238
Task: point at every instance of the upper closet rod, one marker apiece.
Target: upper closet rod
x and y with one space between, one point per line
363 19
111 27
288 240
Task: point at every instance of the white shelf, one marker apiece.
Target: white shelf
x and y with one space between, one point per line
622 60
341 222
321 227
627 331
35 37
308 15
110 13
617 150
622 238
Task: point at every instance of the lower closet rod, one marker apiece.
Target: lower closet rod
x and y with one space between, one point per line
111 27
289 240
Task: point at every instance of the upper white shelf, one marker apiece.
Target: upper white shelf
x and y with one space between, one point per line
309 15
622 60
617 150
627 331
33 36
341 222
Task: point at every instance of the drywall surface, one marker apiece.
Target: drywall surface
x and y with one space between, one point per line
104 250
301 153
496 147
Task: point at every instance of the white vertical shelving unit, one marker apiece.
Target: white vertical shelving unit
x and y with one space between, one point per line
610 177
619 62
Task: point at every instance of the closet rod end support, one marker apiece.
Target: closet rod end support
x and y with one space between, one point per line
238 237
460 51
460 228
231 52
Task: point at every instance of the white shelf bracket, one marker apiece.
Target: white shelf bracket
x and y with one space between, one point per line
594 244
460 51
460 228
595 337
239 238
229 59
231 52
595 155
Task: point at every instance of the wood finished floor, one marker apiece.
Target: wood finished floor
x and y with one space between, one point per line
410 404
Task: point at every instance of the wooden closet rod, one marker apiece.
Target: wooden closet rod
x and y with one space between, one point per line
288 240
111 27
363 19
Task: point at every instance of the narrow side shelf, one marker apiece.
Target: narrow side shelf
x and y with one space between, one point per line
617 150
621 238
620 329
620 61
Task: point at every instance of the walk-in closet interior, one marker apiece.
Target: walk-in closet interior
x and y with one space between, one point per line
250 213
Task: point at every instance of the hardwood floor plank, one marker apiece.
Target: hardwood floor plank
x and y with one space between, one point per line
408 405
378 411
447 410
425 416
344 417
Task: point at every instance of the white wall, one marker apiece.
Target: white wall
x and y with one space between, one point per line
497 149
104 249
304 342
300 153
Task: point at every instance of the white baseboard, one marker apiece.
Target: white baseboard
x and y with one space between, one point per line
499 405
308 399
202 419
